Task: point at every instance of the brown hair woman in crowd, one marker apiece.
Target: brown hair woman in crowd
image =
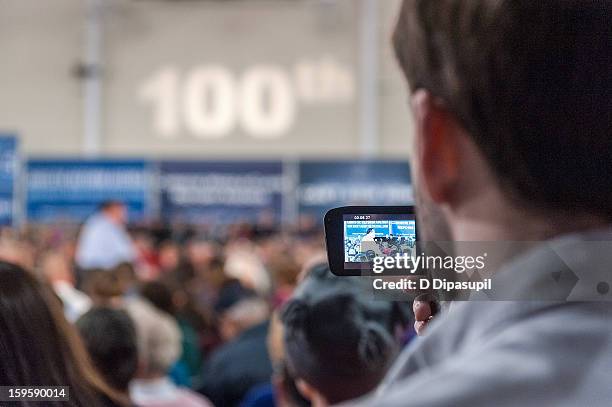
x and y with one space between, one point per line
38 347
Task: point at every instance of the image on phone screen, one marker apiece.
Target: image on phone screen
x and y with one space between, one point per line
377 235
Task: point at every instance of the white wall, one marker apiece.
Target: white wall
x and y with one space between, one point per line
40 44
158 56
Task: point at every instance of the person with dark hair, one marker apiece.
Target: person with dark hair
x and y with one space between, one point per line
160 295
334 350
104 287
40 348
338 345
511 102
110 339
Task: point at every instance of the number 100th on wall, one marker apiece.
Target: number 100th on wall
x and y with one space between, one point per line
212 102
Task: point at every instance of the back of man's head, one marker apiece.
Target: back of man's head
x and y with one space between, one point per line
530 82
110 338
334 347
160 295
339 343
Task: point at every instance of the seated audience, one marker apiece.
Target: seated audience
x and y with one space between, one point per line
40 348
338 345
243 361
159 347
110 339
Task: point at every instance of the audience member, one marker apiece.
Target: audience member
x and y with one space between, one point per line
104 287
214 318
110 339
16 251
244 264
146 254
58 272
201 252
161 295
243 361
40 348
511 139
284 271
168 257
205 281
159 347
282 390
338 345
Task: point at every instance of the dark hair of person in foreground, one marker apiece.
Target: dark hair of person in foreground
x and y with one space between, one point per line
110 339
338 345
531 83
39 347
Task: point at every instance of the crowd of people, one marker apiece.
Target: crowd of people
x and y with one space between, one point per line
182 316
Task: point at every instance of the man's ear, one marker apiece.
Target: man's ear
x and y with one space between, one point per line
437 147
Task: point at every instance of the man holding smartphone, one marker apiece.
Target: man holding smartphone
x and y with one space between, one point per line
512 105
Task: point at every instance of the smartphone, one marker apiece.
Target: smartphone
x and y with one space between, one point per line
357 235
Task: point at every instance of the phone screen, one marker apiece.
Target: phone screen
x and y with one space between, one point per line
377 235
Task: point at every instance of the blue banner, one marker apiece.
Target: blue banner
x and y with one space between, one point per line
324 185
403 228
221 192
9 165
71 190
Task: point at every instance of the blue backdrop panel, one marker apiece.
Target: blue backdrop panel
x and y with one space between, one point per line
324 185
9 164
220 192
70 190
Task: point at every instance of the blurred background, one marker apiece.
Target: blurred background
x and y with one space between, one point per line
199 110
184 152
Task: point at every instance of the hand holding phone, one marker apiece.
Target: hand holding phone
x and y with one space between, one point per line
425 308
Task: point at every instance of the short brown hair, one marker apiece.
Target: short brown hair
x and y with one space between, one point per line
531 82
